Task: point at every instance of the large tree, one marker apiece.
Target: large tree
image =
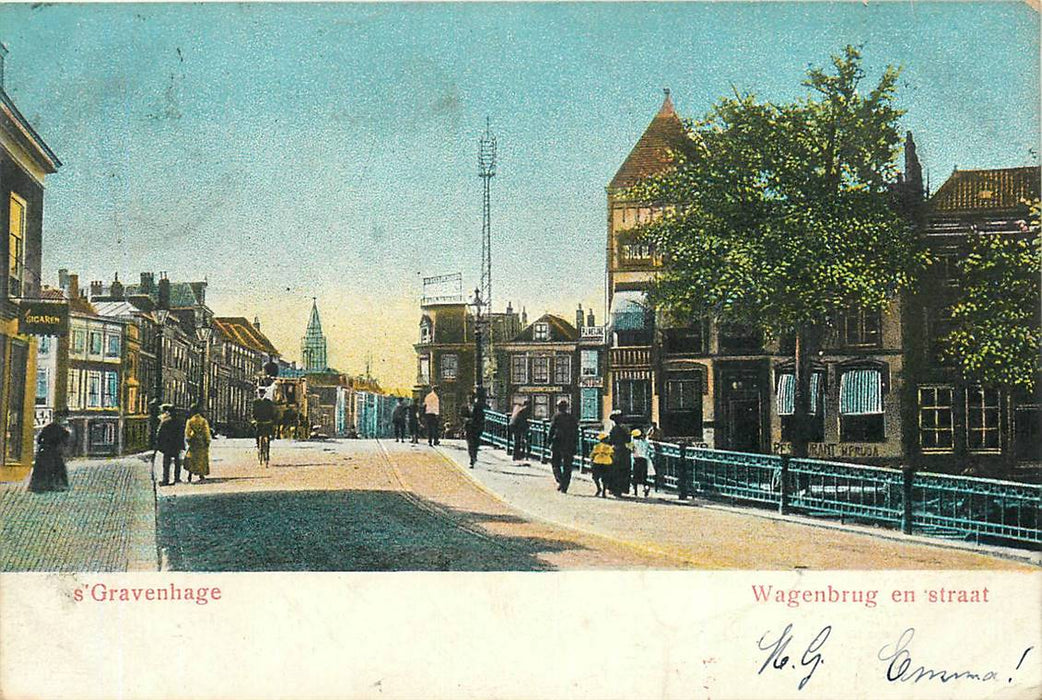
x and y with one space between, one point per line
781 216
996 330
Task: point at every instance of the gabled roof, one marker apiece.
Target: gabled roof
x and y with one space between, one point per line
982 191
182 295
560 331
650 156
240 331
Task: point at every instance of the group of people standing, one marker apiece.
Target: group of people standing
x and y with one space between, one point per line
406 419
172 435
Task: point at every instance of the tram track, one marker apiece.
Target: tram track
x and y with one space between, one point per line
439 513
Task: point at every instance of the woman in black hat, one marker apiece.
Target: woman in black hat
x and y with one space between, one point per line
619 439
49 472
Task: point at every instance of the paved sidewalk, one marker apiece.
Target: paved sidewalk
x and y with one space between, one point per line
712 536
106 521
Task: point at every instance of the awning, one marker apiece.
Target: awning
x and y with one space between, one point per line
787 393
861 392
628 311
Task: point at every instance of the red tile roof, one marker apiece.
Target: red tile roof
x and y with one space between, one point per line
240 331
650 156
981 191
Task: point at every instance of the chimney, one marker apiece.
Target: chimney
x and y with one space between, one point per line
524 317
63 279
256 322
116 290
590 320
164 291
147 283
96 288
579 318
73 292
510 307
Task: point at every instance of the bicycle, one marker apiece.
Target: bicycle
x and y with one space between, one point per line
264 444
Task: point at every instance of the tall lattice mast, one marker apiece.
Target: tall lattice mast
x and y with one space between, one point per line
486 171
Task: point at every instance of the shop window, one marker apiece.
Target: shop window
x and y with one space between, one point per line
982 419
861 406
562 369
541 370
936 431
632 396
519 369
786 406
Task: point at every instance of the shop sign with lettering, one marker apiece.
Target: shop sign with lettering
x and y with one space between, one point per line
43 318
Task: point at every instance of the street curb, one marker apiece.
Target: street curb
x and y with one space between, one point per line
1011 554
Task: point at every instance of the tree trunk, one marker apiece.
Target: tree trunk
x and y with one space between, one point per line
808 344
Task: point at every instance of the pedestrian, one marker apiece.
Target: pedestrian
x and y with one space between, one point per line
170 440
640 461
431 416
473 427
413 415
601 457
518 428
619 438
49 472
398 420
564 437
197 435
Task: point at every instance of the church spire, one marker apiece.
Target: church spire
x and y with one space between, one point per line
313 344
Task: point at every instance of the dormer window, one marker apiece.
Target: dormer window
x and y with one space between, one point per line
541 331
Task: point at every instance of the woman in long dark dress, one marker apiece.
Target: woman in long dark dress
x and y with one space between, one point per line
619 439
49 473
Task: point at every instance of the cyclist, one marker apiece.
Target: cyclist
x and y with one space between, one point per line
264 421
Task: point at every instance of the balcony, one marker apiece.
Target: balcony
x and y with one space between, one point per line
639 357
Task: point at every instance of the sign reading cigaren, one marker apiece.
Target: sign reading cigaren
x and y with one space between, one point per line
43 318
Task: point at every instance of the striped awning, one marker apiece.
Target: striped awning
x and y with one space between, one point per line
628 311
861 392
787 393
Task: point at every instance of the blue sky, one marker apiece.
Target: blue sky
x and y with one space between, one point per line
329 150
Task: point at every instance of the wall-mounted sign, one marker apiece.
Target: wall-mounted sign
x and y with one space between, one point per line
540 389
593 334
591 382
43 318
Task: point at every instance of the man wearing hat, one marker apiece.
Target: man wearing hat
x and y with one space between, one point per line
619 438
564 436
170 440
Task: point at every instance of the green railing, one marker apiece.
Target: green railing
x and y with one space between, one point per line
982 510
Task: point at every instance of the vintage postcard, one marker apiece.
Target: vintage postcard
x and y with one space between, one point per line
520 350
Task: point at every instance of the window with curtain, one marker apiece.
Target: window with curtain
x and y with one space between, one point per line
110 390
861 406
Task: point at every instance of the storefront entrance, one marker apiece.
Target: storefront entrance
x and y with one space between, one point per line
741 402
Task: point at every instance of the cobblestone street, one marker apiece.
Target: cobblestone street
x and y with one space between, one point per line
104 522
380 505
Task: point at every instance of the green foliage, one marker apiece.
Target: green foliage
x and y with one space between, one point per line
778 216
996 335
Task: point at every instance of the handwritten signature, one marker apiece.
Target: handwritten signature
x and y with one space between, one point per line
778 660
900 666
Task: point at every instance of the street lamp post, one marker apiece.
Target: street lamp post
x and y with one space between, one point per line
204 332
479 369
154 406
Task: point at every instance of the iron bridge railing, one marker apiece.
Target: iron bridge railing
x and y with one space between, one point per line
942 505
